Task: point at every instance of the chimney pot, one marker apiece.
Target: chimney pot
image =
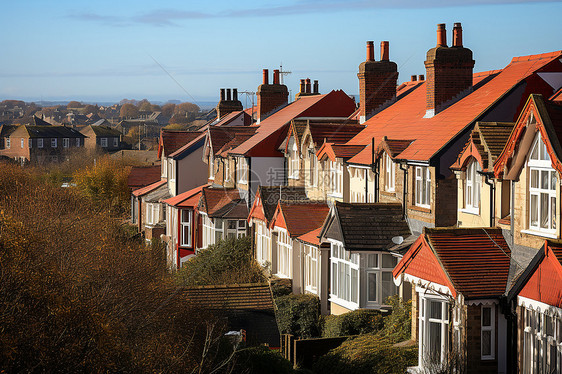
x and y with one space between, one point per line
276 76
222 94
315 89
441 35
265 76
421 77
302 86
228 94
457 35
235 94
307 86
370 51
414 78
384 51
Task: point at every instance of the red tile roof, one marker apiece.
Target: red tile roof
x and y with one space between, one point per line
311 237
475 261
187 199
141 176
188 146
272 130
223 202
171 140
225 138
393 147
333 151
289 215
267 197
404 119
545 283
149 188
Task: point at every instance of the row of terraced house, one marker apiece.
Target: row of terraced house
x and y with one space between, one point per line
444 190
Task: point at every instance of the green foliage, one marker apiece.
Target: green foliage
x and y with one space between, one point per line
258 360
227 262
280 287
367 353
298 315
398 325
360 321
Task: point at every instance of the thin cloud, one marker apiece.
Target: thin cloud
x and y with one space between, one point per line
171 17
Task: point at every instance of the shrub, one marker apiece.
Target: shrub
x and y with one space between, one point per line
398 324
258 360
353 323
227 262
298 315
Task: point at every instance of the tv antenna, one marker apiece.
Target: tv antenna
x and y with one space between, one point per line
282 73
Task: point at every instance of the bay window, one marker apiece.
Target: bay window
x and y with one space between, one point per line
185 227
311 269
152 213
422 186
284 253
542 342
262 242
433 330
236 228
345 276
472 186
380 284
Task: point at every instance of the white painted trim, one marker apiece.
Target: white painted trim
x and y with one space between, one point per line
538 306
485 302
424 285
540 233
475 212
343 303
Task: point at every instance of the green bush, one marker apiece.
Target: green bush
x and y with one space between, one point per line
398 324
361 321
227 262
258 360
299 315
368 353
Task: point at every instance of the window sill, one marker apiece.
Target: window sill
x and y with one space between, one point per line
243 182
540 233
420 208
291 177
470 211
336 196
311 290
343 303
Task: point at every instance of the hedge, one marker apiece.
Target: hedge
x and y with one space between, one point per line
298 315
361 321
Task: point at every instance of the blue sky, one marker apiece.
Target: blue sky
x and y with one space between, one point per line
109 50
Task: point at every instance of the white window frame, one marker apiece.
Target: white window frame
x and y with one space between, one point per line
8 143
185 227
235 228
390 176
65 142
40 143
172 173
313 164
211 165
208 231
374 262
227 170
242 170
53 142
284 253
539 164
424 348
345 290
115 142
152 213
263 242
489 328
22 142
294 161
422 186
103 142
473 185
336 178
538 345
311 268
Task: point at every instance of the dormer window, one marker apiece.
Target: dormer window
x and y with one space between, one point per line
390 176
472 186
542 188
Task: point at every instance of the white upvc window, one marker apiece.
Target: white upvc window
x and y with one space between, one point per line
542 342
236 228
284 253
542 189
313 173
227 170
422 186
53 142
22 142
473 184
211 166
172 173
152 213
242 170
115 142
487 332
8 142
336 178
263 241
77 142
433 330
294 160
208 231
103 142
380 284
311 268
345 276
185 225
65 142
390 175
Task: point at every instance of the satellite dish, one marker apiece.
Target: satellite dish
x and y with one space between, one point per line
398 240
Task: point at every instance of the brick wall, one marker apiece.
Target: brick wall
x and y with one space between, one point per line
271 97
377 85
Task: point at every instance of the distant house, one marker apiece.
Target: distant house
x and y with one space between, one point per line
39 142
247 307
102 138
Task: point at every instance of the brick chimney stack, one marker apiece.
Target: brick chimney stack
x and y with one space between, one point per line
377 81
448 71
228 102
307 88
271 96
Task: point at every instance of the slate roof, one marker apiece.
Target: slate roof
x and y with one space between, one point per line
269 197
223 203
171 140
300 217
367 226
246 306
33 121
101 130
405 118
472 261
141 176
52 132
